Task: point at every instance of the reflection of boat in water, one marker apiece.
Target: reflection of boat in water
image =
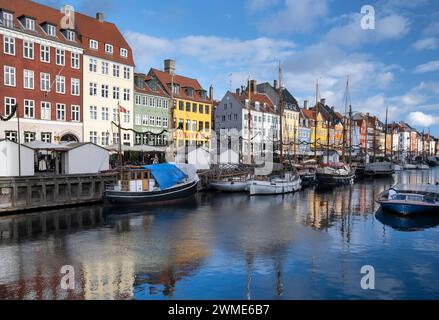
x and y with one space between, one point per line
153 184
407 223
410 199
379 169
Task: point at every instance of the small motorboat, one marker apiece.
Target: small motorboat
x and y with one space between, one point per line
155 183
410 199
379 169
290 183
235 184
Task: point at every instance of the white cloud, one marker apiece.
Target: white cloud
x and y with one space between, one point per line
421 119
426 44
296 16
428 67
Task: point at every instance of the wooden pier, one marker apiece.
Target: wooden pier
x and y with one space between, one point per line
45 192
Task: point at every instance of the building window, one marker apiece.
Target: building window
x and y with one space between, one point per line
30 24
108 48
60 112
46 137
104 91
127 73
115 138
115 115
207 126
29 136
194 126
138 99
188 125
45 53
194 107
207 109
126 94
75 113
105 114
144 120
76 85
29 79
188 106
60 57
116 93
9 45
94 44
60 84
105 68
138 139
76 63
138 119
200 108
11 135
94 137
93 89
158 122
93 65
105 138
45 111
116 70
165 122
180 105
8 20
200 125
71 35
45 82
94 113
123 52
51 30
126 117
29 109
10 78
9 105
152 121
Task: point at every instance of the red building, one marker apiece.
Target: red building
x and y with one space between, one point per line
41 72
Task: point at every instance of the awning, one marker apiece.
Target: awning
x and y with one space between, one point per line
39 145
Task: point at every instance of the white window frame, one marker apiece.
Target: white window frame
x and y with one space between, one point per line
109 48
9 42
60 57
10 76
105 113
28 79
105 67
104 91
71 35
29 109
46 110
45 82
29 24
93 65
75 87
28 50
75 60
116 70
60 84
93 113
8 19
93 44
75 113
51 30
127 73
9 103
123 53
44 53
60 109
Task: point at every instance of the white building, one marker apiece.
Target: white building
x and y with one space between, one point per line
107 83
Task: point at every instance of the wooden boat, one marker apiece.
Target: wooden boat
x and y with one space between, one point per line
379 169
334 174
153 184
307 173
290 183
410 199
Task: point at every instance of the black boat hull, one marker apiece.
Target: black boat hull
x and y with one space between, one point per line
169 195
327 180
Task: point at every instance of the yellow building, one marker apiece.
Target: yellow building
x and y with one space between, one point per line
191 108
322 132
291 129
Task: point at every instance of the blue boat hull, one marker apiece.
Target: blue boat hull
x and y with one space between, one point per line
408 209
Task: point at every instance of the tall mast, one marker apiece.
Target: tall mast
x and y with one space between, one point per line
281 112
385 133
120 137
345 122
350 134
249 118
316 120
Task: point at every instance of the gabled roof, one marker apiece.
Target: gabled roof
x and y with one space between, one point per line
147 89
166 79
264 100
309 114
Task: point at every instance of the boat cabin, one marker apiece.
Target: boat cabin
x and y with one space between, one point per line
135 179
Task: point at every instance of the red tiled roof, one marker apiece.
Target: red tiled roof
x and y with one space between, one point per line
309 114
184 82
147 89
86 28
262 98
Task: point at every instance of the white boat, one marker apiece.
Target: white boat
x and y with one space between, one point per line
409 166
230 185
398 167
272 186
334 174
379 169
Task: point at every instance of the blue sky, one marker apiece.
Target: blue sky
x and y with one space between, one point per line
396 65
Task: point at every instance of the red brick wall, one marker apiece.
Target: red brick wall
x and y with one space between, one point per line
19 93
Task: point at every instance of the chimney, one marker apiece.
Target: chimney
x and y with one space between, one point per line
275 84
100 17
170 66
323 101
211 92
253 84
305 104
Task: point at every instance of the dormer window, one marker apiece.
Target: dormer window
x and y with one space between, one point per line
176 89
7 19
51 30
94 45
30 24
108 48
71 36
190 92
123 52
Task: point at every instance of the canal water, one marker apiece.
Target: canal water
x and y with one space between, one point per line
310 245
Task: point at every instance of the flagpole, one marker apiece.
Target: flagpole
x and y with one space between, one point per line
120 137
18 139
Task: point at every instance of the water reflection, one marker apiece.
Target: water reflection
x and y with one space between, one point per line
308 245
413 223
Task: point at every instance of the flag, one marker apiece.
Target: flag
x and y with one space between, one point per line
122 109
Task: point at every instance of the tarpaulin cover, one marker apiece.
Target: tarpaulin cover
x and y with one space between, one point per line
166 175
